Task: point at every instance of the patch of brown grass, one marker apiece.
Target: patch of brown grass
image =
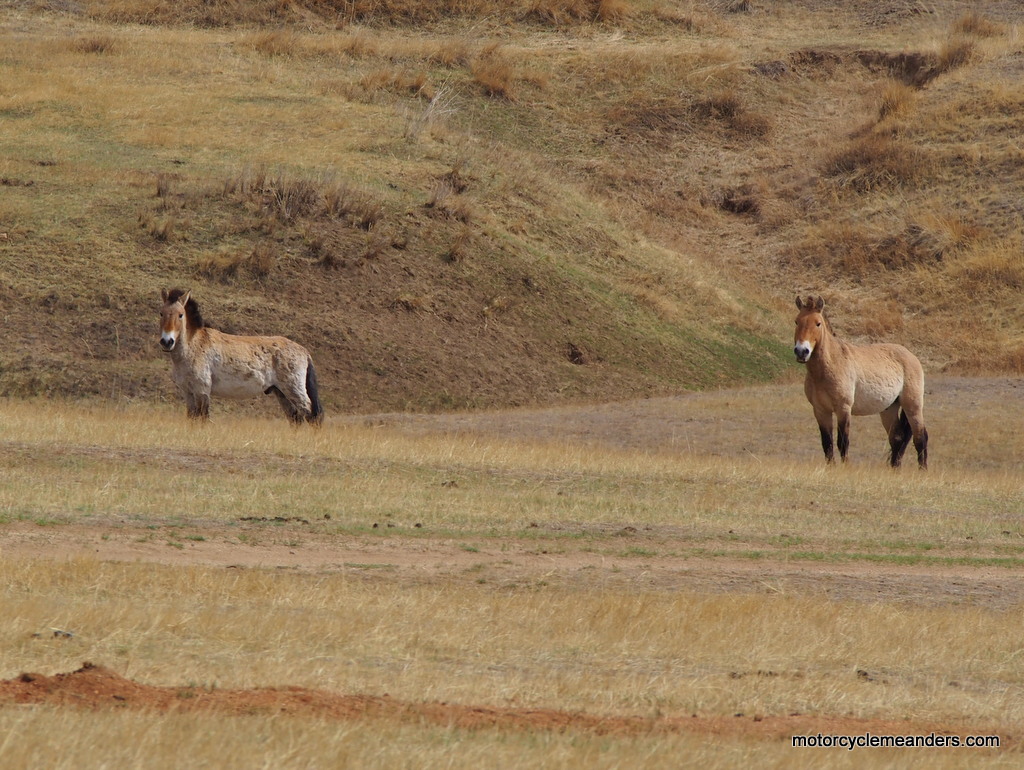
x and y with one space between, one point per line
729 108
876 160
494 72
290 197
93 44
282 41
955 52
404 81
898 100
974 23
848 249
229 266
560 12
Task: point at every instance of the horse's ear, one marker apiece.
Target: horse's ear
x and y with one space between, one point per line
163 295
799 303
819 304
185 298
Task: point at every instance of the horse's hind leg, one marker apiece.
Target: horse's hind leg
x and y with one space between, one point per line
914 415
293 414
916 425
897 427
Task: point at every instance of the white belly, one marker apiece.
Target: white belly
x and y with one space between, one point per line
873 397
231 385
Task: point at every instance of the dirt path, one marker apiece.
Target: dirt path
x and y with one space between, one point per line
424 560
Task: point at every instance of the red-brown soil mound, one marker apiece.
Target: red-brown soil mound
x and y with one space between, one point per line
95 686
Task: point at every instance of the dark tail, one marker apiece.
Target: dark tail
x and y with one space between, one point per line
316 415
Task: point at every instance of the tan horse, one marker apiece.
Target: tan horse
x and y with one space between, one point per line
207 362
846 379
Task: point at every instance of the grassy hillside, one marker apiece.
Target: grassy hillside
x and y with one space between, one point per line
475 203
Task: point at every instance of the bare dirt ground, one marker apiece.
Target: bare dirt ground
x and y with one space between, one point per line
648 425
94 686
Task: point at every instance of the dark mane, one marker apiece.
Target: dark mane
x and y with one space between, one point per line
192 314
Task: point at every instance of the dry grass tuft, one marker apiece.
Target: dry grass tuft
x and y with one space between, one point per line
848 249
955 52
875 161
229 266
973 23
160 228
898 100
282 41
93 44
560 12
727 106
399 81
288 197
494 72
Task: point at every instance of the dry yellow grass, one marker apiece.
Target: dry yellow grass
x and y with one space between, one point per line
575 639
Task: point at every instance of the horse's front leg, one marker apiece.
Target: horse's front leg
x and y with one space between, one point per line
843 432
197 405
824 419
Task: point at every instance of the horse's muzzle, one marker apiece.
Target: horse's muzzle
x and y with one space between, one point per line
802 353
167 343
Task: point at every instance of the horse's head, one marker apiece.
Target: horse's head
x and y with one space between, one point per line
173 317
811 326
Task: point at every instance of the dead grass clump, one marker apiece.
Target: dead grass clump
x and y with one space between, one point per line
847 249
973 23
954 53
652 118
160 228
432 115
744 199
494 73
456 253
288 198
228 266
451 52
994 267
879 322
97 44
399 82
875 161
446 203
898 100
727 106
274 42
559 12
